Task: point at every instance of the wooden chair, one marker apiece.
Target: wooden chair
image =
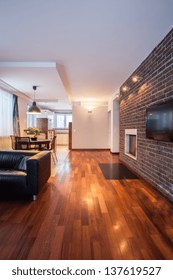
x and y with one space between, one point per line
52 148
13 142
23 143
51 133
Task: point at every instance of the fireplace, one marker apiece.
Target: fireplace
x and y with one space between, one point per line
131 143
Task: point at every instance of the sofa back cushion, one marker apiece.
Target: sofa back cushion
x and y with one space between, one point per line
9 160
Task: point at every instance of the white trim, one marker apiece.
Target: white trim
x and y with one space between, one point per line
126 146
33 64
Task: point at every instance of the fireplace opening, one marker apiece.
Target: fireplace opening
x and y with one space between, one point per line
131 143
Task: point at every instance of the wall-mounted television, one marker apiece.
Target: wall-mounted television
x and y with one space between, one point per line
159 121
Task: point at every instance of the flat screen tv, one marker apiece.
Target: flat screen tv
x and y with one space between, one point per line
159 121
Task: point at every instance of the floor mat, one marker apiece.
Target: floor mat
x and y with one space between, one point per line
116 171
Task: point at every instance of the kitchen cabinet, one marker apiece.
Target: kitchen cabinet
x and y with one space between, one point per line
62 139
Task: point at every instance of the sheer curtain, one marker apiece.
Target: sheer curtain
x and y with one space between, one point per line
16 125
6 119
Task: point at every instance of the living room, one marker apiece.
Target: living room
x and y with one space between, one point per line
80 214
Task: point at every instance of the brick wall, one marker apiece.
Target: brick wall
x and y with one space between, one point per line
154 158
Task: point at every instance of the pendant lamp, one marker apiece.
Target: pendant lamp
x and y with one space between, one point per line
34 109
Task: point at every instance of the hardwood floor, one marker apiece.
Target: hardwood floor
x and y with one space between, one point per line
80 215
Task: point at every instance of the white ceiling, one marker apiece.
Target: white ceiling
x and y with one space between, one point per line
77 50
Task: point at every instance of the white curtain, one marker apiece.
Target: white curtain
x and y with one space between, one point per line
6 113
6 119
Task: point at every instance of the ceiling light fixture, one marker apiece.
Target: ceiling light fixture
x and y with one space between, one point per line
117 96
34 109
89 106
125 88
136 79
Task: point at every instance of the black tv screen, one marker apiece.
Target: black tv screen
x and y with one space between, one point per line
159 121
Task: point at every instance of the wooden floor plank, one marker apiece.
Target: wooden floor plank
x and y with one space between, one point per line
81 215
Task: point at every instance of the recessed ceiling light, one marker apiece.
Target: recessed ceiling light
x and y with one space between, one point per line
135 79
125 88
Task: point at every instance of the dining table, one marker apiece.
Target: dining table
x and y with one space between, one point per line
40 143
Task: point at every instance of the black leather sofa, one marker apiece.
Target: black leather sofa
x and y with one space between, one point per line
23 173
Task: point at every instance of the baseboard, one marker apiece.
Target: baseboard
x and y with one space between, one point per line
114 153
90 150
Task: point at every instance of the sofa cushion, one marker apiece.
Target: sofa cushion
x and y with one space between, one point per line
9 160
11 172
13 181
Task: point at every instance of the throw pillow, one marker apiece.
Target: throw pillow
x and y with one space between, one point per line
22 165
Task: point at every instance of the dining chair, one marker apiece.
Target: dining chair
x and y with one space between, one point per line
23 143
51 133
13 142
52 149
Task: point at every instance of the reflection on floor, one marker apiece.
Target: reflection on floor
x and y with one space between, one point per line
62 152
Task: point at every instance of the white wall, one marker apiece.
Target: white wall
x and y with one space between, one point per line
115 127
90 130
113 107
109 129
22 103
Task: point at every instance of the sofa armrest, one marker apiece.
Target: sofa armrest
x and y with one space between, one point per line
38 171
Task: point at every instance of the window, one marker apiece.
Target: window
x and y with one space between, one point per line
31 119
57 120
62 120
6 113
